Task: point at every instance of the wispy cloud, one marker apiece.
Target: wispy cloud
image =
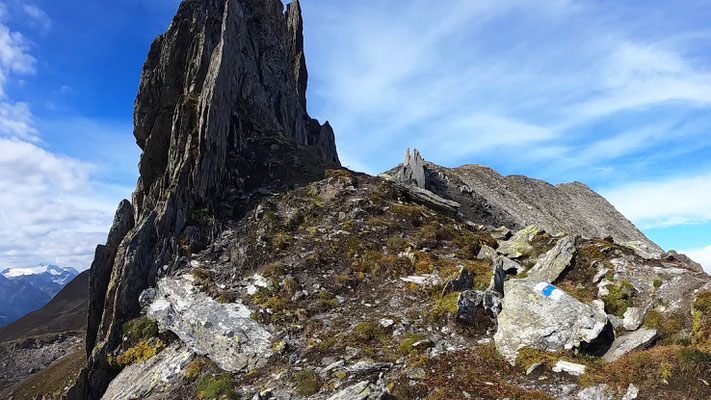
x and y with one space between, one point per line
16 121
675 201
14 56
37 17
549 85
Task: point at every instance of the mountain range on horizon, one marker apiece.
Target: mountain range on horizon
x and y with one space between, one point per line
23 290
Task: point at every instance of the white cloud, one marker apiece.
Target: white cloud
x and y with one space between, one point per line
462 78
15 118
16 121
701 256
52 208
38 17
664 203
13 52
49 211
490 130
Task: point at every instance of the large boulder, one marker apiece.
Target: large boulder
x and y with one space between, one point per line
542 316
549 268
223 332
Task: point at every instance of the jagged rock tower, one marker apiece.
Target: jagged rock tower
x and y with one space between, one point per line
221 117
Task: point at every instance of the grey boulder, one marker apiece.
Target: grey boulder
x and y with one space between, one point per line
632 318
223 332
509 265
542 316
487 253
519 245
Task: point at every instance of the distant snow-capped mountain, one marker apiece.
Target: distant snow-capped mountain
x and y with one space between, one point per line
54 273
23 290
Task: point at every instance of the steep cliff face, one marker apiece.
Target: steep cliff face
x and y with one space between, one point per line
516 201
221 117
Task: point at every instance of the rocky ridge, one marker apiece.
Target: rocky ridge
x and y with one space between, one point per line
517 201
359 290
250 266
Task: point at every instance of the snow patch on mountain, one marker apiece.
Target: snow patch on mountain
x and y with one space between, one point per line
55 273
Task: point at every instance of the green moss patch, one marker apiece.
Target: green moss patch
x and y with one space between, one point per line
307 382
140 328
140 352
216 387
703 303
405 346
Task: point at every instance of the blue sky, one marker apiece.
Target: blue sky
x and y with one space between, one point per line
616 95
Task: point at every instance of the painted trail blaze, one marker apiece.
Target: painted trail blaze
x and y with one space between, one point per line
548 290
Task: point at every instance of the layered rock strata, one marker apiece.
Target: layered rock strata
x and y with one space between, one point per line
221 118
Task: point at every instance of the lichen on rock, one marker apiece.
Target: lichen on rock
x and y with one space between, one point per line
223 332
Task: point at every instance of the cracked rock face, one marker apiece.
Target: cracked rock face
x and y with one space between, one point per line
153 378
223 332
220 115
539 315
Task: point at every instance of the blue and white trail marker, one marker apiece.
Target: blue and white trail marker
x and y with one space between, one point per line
549 291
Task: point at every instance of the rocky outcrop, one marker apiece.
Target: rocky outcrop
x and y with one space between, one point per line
412 170
542 316
464 281
154 378
220 116
672 255
520 243
554 262
223 332
517 201
470 302
101 267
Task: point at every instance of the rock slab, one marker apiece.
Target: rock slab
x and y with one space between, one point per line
631 341
223 332
153 378
519 244
549 268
